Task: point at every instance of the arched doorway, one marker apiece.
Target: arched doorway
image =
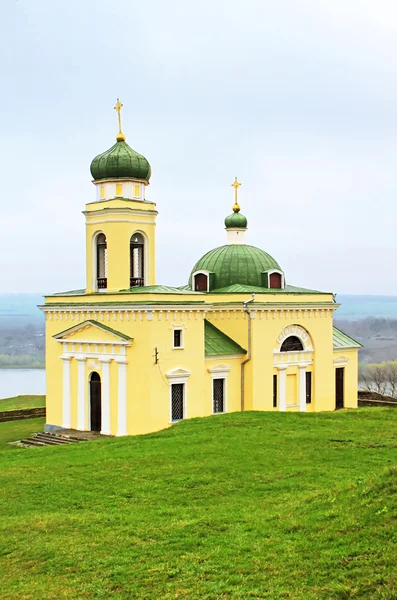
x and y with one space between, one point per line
95 402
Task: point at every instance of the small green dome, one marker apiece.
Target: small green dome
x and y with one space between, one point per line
235 263
120 161
236 220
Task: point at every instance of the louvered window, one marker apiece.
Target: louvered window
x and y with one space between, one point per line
102 261
177 398
137 275
218 395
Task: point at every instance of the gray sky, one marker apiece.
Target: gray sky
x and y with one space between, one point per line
298 98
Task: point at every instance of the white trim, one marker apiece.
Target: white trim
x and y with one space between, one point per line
302 387
122 428
63 335
182 338
282 387
179 376
341 361
270 272
105 396
220 372
202 272
145 255
66 399
81 393
297 331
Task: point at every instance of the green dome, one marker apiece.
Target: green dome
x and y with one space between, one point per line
235 263
120 161
236 220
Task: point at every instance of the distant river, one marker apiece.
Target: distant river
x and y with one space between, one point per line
16 382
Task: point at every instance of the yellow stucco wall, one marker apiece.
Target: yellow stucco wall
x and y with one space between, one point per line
151 327
119 220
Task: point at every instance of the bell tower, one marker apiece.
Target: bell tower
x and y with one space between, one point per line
120 223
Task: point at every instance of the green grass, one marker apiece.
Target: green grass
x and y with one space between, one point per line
19 402
252 505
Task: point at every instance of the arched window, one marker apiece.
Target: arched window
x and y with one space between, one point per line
291 344
101 262
200 282
137 273
275 281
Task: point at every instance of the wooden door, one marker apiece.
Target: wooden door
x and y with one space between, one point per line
339 387
95 402
201 282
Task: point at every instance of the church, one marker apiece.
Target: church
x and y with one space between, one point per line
128 356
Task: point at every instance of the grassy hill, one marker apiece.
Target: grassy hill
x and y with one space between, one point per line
19 402
252 505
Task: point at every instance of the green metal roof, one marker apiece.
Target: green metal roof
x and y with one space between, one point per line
342 340
158 289
238 288
120 161
236 220
218 343
235 263
95 324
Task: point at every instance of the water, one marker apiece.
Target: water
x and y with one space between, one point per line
359 307
16 382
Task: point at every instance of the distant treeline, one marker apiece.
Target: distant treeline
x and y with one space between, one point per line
378 335
22 346
381 378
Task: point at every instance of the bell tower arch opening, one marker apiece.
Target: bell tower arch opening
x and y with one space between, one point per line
137 260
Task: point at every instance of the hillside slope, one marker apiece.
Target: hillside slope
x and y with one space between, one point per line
252 505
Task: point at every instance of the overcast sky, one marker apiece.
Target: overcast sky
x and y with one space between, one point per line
298 98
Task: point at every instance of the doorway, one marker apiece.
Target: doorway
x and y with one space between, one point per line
95 402
339 387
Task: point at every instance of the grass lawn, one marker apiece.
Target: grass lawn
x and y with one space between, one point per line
252 505
22 402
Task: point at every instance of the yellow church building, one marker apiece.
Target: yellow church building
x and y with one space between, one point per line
128 356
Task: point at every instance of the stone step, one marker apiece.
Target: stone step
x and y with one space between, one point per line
48 439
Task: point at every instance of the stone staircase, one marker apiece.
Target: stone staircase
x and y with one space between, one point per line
48 439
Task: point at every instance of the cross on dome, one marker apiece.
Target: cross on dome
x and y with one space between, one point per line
236 185
120 137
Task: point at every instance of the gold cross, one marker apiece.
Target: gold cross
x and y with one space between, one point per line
236 185
120 136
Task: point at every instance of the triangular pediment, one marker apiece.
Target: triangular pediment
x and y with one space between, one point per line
177 373
92 331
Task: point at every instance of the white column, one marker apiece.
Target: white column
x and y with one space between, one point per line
282 387
302 388
81 395
122 397
66 409
105 393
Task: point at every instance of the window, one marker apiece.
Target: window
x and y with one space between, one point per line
119 189
178 342
137 261
102 191
177 401
291 344
137 191
274 391
200 282
308 387
101 261
218 395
